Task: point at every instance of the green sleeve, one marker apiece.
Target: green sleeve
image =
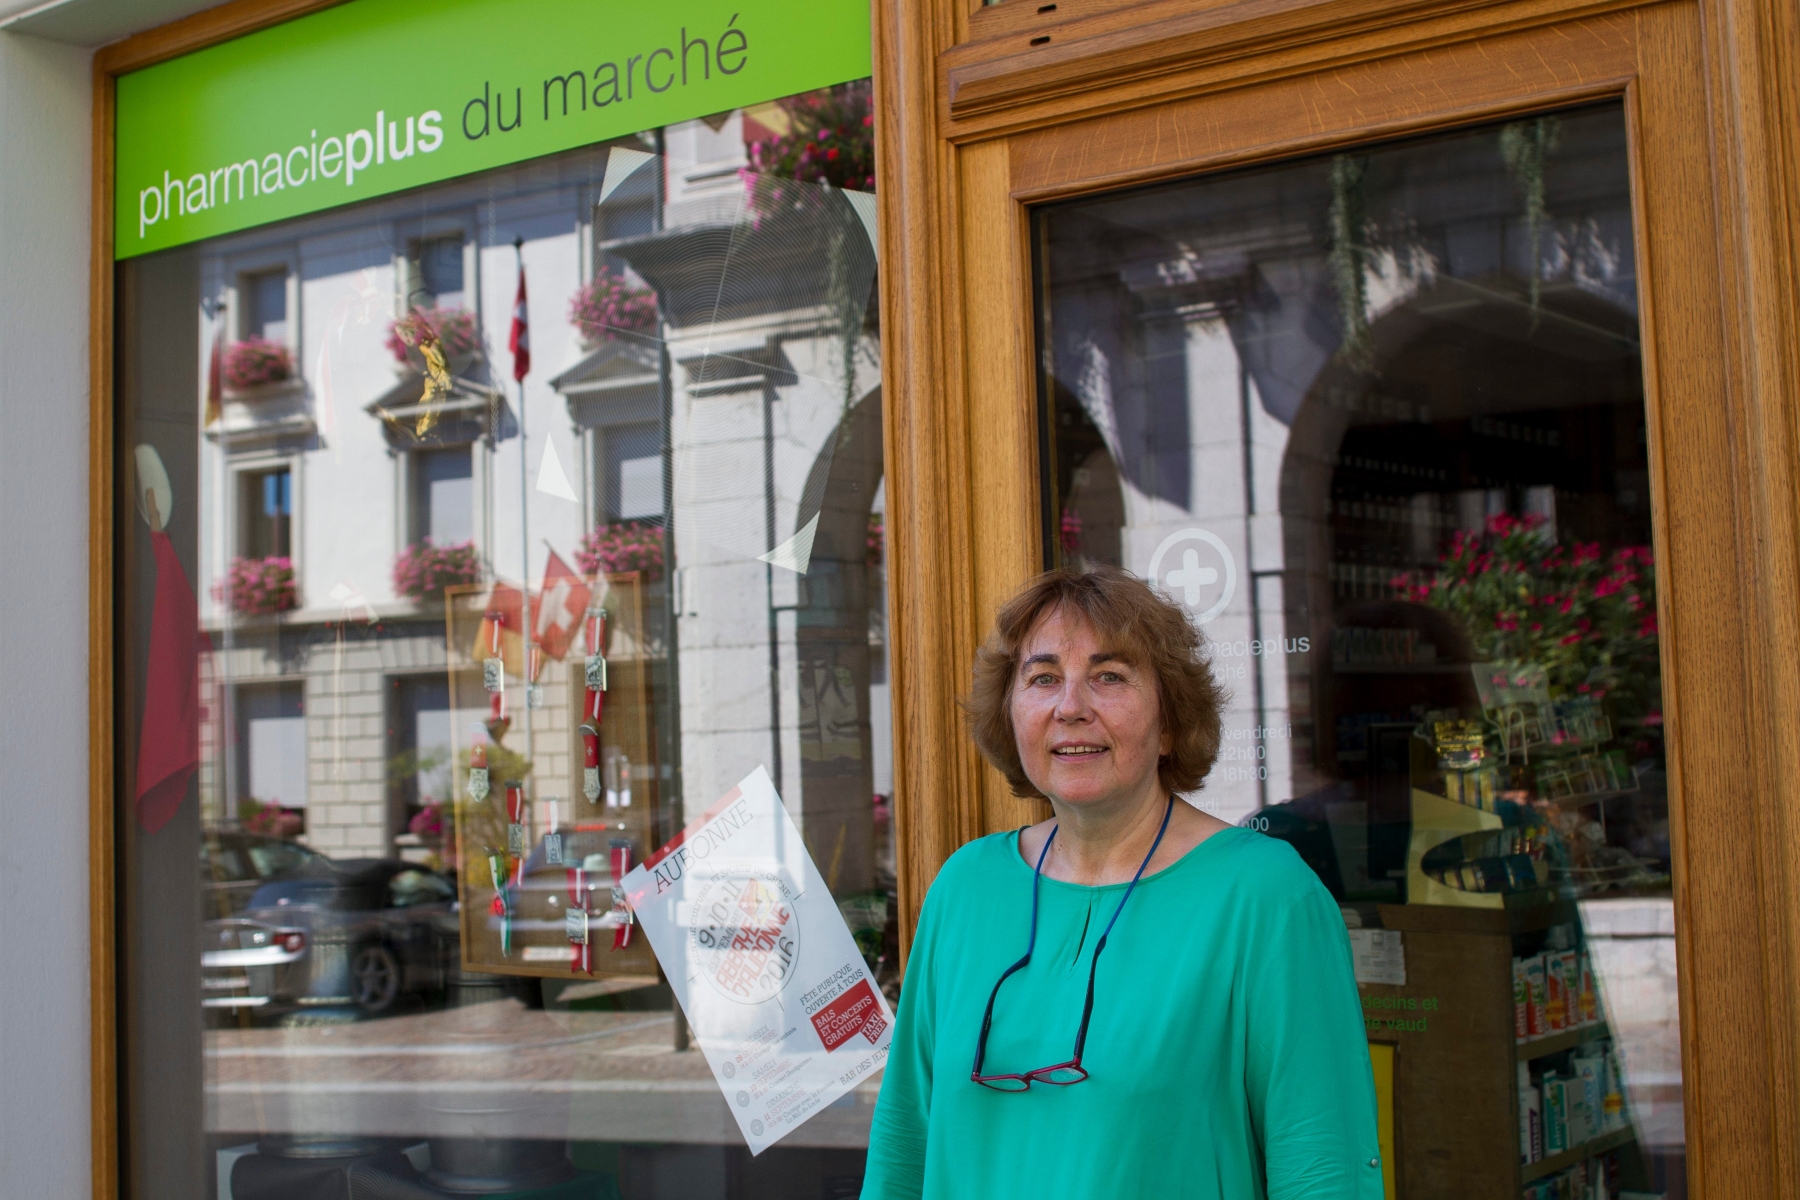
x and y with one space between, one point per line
1311 1090
896 1163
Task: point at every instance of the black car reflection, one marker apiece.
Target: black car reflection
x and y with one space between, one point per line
358 932
234 863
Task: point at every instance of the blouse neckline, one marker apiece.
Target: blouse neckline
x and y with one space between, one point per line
1018 858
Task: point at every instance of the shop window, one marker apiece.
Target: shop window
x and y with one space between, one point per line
691 452
442 506
264 296
436 265
421 756
266 513
631 471
272 771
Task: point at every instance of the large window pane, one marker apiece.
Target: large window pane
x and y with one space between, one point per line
695 451
1377 420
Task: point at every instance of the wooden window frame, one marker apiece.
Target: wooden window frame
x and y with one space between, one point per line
985 110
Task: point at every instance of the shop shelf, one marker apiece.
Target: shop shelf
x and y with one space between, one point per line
1573 1155
1555 1043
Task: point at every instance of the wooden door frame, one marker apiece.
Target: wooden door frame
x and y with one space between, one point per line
985 111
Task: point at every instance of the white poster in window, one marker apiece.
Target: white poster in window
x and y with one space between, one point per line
774 988
1378 956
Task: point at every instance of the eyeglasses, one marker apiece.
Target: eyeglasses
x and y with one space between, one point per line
1064 1073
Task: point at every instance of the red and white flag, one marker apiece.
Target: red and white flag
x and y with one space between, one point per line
560 605
520 340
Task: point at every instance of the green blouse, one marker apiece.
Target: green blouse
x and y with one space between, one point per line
1226 1055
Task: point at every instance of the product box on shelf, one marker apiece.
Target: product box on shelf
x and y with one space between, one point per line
1521 1001
1556 993
1588 997
1590 1070
1571 976
1531 1119
1556 1115
1537 1022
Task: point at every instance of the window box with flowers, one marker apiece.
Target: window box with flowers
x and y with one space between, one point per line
452 328
257 816
830 139
256 367
258 587
610 307
423 570
623 546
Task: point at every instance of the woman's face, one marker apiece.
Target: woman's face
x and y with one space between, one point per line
1088 723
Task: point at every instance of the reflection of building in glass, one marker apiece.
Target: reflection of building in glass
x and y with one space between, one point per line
704 383
1377 421
1203 379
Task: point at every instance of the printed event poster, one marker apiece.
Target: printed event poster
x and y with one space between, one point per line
774 988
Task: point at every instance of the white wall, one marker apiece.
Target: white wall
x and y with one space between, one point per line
44 138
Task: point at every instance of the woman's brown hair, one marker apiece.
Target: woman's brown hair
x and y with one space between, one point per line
1149 631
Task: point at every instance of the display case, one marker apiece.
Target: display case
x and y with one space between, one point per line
557 788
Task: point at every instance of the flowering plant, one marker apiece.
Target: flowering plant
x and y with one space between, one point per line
428 822
270 818
623 546
875 545
256 361
1068 533
1587 618
611 305
454 329
257 586
423 570
830 139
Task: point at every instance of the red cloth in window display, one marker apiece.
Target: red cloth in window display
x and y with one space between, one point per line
169 736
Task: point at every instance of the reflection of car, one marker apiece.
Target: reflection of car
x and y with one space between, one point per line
356 932
234 864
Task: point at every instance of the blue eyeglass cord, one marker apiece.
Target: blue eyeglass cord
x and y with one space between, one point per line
1093 964
1031 942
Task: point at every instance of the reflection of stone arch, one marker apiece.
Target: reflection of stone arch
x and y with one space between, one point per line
1455 351
832 659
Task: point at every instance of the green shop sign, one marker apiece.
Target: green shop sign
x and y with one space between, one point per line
376 96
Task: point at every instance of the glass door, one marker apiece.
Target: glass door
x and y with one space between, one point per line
1377 420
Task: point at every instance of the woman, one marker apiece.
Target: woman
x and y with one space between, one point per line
1175 1013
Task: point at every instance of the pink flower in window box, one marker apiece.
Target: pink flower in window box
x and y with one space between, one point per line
256 361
